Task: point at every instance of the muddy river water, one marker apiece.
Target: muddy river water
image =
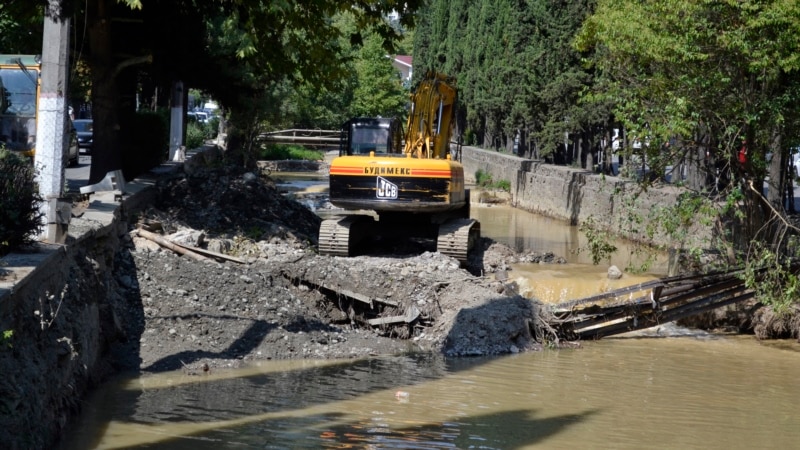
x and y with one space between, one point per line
691 390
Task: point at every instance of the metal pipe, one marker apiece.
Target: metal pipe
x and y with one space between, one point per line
439 119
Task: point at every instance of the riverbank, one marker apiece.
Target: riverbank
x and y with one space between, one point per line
578 196
307 305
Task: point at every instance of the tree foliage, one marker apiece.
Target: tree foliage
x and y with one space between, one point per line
242 53
516 71
21 27
20 216
369 85
711 75
379 91
720 80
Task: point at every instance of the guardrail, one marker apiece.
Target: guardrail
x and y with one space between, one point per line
309 138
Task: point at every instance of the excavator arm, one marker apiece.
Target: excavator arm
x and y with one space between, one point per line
430 121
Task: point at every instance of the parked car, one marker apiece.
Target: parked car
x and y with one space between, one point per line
85 131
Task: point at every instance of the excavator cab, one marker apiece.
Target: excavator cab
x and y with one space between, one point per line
363 135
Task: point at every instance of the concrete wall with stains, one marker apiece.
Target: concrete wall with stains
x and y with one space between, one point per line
576 195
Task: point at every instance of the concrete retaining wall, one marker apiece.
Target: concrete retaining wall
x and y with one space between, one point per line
56 303
575 195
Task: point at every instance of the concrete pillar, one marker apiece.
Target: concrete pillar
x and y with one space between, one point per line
52 135
176 122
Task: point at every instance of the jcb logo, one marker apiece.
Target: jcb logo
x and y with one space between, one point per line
386 189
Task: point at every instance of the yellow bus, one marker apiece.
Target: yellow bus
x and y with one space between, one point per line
19 100
20 87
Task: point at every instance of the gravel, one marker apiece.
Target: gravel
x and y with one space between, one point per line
273 297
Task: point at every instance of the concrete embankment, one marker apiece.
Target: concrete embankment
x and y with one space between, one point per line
577 195
57 327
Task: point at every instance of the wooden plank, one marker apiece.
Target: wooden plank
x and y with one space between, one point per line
668 299
410 316
170 245
349 294
363 298
210 253
650 319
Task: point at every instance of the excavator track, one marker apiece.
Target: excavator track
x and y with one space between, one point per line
336 236
457 237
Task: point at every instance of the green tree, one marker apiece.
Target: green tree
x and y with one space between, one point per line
379 90
238 52
368 86
517 72
710 76
21 28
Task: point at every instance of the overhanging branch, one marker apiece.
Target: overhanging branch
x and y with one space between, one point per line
147 59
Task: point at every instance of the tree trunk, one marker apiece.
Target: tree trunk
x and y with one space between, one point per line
106 156
697 166
585 152
777 173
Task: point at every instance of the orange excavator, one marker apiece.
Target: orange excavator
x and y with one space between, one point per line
402 185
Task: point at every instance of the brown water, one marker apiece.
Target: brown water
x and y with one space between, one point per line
554 283
654 393
691 392
522 230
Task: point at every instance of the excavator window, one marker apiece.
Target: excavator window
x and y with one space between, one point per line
370 139
364 135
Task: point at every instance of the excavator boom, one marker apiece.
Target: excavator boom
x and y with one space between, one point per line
430 121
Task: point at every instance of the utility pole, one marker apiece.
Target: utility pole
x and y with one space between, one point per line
52 135
176 122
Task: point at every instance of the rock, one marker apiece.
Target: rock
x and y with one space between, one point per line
614 273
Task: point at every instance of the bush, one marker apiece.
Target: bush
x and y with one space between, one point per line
212 127
196 135
485 180
469 137
482 178
20 217
278 152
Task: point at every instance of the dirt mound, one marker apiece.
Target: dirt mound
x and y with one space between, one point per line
260 290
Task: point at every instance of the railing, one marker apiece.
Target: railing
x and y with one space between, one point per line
308 138
326 139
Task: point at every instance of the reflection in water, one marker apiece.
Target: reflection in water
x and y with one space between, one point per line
625 393
526 231
554 283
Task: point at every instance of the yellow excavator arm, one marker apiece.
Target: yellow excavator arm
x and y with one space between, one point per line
430 121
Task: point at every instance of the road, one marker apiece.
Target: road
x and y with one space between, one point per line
79 175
